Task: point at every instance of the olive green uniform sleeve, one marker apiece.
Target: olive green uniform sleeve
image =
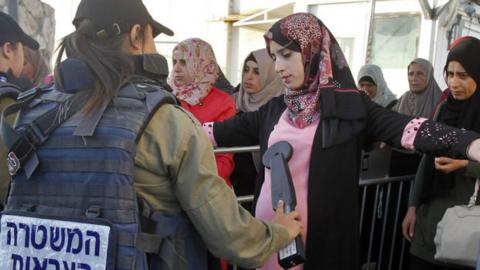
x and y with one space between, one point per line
176 171
4 176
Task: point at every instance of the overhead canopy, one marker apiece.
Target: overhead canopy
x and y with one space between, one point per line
263 20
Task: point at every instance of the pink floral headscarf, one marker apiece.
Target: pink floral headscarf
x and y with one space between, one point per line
201 64
305 33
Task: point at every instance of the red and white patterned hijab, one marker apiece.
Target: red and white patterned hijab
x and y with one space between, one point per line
324 64
201 65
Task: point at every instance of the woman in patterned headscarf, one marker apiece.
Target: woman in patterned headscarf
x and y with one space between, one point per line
194 72
327 121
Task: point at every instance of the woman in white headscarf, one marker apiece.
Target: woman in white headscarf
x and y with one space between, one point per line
370 79
424 91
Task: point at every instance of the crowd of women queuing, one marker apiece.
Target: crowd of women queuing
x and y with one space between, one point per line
296 115
299 89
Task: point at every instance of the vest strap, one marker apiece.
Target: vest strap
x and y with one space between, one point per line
23 143
123 192
125 263
77 142
8 90
110 166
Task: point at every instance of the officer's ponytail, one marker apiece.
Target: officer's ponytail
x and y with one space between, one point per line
108 60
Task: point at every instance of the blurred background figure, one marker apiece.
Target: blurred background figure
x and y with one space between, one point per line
370 80
35 69
375 160
260 83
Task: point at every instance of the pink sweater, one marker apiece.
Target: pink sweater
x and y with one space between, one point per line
301 141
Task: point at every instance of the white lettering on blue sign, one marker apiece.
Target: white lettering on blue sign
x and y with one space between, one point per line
36 243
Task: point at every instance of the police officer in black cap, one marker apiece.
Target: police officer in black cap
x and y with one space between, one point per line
12 40
110 134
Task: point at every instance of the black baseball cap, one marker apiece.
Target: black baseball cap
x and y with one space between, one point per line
114 17
10 31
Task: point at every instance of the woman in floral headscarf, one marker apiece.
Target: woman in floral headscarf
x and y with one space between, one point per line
194 72
327 121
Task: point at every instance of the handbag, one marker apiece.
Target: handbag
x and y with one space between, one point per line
457 239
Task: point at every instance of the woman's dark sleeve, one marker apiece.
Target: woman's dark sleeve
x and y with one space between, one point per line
416 133
240 130
384 125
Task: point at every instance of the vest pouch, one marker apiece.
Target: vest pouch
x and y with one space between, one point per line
33 241
182 248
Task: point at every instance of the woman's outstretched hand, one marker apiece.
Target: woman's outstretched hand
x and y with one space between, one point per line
408 224
291 221
448 165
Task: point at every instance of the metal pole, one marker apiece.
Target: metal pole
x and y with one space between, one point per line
13 9
426 9
370 32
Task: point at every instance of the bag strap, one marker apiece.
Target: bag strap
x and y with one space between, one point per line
9 90
473 198
23 141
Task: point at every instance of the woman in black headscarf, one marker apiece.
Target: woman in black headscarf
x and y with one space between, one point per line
443 182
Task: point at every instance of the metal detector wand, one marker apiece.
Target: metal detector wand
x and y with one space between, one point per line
276 159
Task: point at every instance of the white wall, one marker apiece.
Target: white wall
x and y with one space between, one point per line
351 19
199 18
347 20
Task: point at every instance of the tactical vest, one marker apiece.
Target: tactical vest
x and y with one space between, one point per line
72 204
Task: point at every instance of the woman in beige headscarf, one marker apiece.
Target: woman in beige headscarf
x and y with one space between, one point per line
424 91
260 82
420 100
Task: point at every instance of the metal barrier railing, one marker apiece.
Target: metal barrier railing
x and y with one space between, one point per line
384 202
236 150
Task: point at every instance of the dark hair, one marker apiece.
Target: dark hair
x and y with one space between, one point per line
110 64
40 67
367 79
250 57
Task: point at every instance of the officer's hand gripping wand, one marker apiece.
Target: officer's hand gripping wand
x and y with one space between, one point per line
276 159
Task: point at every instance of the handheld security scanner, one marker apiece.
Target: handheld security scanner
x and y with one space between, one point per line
276 159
